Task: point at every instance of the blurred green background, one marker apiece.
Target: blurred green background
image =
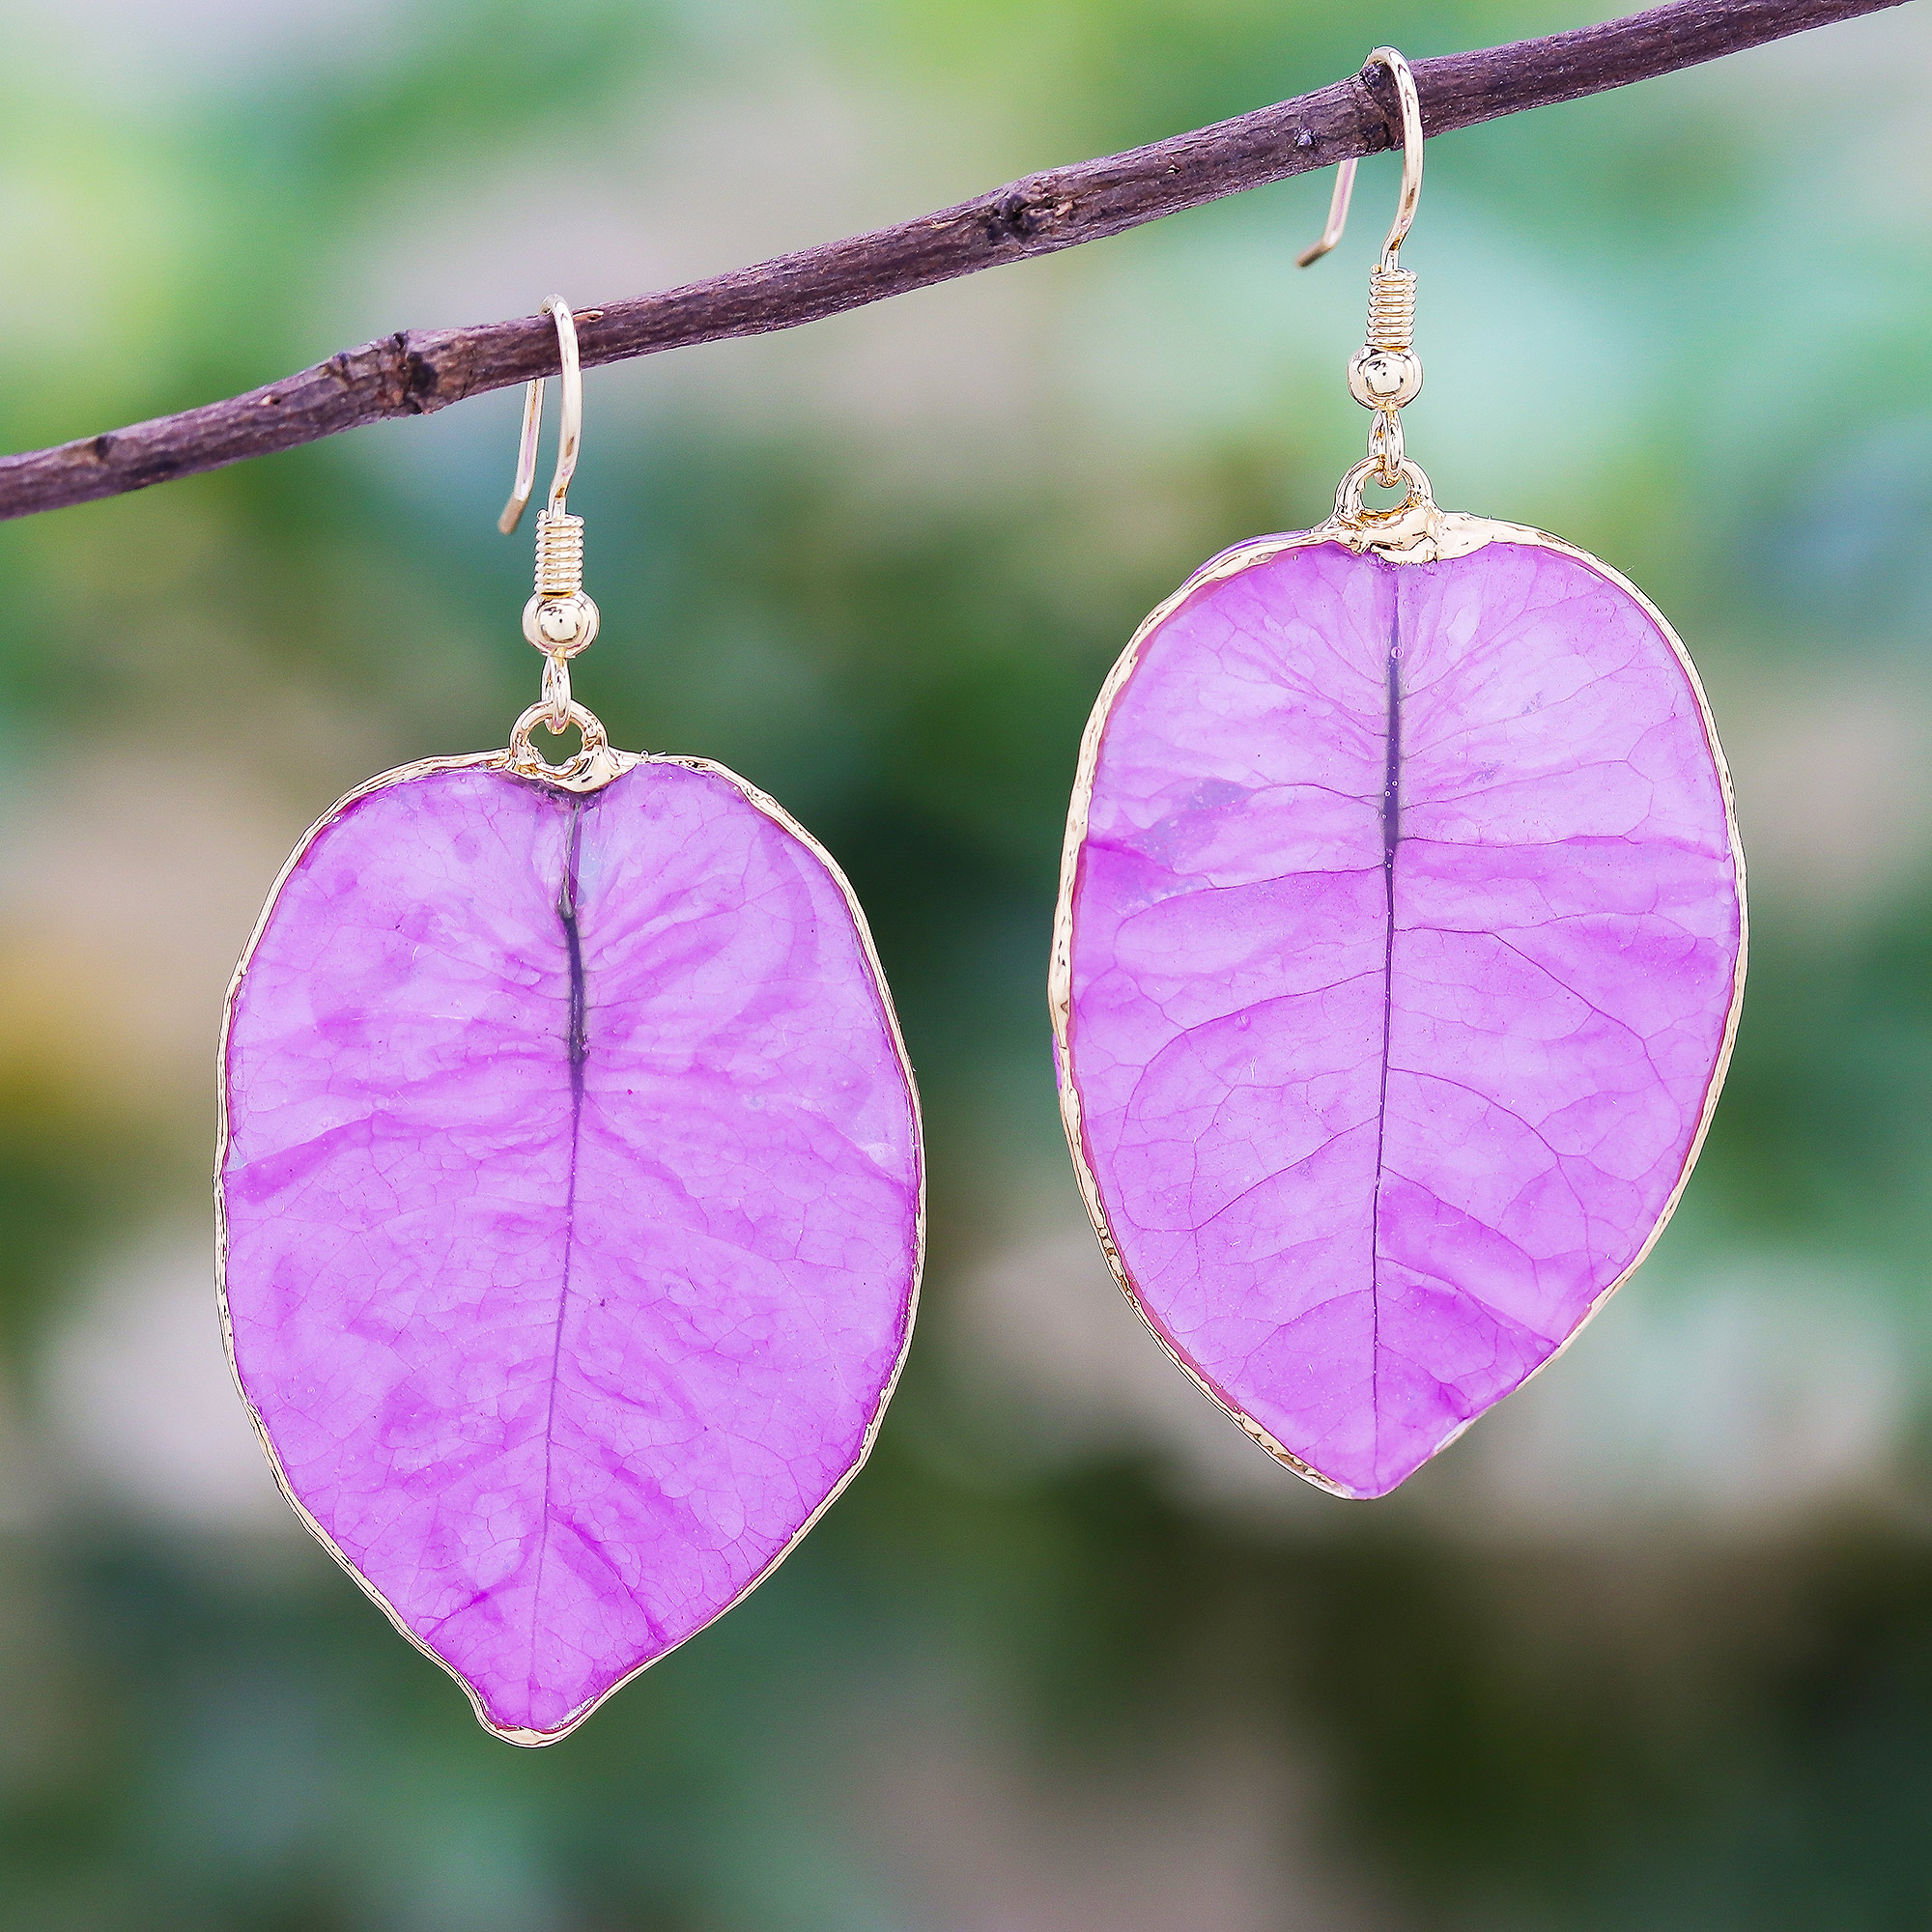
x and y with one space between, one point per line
1651 1648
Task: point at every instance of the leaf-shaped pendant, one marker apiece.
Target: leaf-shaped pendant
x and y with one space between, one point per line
572 1208
1400 949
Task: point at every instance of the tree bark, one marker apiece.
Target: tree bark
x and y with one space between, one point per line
419 370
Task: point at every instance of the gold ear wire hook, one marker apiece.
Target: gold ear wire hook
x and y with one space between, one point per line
1385 373
1411 170
559 619
570 431
527 459
1331 233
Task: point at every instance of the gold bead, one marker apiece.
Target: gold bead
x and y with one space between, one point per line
561 626
1386 379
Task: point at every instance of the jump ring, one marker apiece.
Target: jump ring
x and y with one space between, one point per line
557 693
1385 445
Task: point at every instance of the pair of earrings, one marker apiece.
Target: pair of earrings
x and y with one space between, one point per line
570 1187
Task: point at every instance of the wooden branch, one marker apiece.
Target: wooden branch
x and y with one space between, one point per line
419 370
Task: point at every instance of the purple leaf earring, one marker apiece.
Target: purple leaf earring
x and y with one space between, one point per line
570 1187
1400 949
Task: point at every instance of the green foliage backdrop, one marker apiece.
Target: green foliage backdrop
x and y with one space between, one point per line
1651 1648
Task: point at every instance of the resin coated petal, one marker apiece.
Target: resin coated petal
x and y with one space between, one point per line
1401 946
572 1204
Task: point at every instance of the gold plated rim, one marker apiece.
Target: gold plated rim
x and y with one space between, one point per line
1453 534
501 762
1412 531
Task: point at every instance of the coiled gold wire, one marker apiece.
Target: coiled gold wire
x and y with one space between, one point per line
560 555
1391 308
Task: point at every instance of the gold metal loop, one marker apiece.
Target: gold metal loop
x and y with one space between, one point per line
1385 448
556 694
1349 497
590 759
570 428
1411 170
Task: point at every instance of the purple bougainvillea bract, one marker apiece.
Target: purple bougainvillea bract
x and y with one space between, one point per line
571 1197
1405 943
